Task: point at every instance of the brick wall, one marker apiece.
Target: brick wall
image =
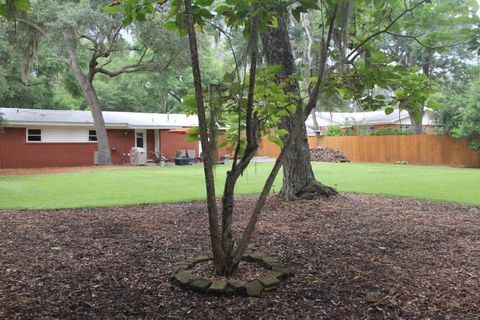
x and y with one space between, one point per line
15 152
171 141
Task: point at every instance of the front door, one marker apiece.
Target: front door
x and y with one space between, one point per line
141 139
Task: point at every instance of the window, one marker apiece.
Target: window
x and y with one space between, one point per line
92 135
34 135
61 135
140 137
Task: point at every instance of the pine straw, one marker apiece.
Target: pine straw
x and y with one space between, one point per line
354 256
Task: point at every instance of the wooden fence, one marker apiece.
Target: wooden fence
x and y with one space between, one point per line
415 149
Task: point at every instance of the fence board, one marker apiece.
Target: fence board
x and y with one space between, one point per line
416 149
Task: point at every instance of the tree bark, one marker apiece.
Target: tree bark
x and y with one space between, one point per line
104 155
215 235
416 125
298 177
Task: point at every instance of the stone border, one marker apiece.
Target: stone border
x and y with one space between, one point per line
254 288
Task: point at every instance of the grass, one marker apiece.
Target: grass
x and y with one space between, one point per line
125 186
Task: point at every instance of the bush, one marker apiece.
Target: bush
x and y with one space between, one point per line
469 127
390 132
333 131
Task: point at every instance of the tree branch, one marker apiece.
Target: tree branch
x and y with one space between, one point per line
358 47
421 43
127 69
31 24
174 96
312 102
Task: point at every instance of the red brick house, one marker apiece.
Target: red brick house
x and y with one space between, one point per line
34 138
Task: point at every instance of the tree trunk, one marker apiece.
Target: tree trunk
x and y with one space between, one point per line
104 155
298 177
215 234
417 126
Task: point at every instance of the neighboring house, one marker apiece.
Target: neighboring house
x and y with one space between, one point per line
368 122
34 138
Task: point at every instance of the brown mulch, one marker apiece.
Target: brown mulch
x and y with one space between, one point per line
246 271
353 257
326 154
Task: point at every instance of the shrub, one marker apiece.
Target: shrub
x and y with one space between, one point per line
390 132
469 127
333 131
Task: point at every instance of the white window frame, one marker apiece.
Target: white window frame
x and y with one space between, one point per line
92 135
144 132
27 135
43 130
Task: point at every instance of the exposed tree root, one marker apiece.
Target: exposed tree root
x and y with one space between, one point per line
315 190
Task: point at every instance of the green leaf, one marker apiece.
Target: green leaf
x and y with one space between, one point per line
191 138
193 131
141 16
416 115
281 132
171 25
22 5
296 13
222 144
190 101
113 9
379 4
399 92
309 4
275 140
389 110
273 22
3 10
273 69
223 10
229 77
128 19
433 105
204 3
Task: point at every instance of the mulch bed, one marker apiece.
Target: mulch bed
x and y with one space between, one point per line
246 271
353 256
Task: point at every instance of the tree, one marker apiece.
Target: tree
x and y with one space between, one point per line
299 180
9 8
87 40
247 101
469 127
428 39
226 256
36 90
298 177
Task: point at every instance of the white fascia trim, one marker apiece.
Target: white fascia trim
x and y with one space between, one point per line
155 127
329 119
63 124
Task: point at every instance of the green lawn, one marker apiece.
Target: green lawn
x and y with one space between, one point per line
116 187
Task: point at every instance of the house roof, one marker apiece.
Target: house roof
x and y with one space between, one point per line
370 118
138 120
113 119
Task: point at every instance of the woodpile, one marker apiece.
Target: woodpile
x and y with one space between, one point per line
325 154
